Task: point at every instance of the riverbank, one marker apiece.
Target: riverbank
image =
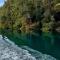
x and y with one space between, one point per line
10 51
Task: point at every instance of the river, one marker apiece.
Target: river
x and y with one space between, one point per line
47 43
10 51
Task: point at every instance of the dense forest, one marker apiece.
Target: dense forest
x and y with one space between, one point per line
30 15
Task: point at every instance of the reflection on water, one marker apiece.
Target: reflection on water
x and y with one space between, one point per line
10 51
46 42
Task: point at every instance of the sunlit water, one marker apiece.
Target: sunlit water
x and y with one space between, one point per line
10 51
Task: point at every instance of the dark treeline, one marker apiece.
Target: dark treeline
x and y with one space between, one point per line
30 15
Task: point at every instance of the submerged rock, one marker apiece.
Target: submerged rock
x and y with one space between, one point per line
10 51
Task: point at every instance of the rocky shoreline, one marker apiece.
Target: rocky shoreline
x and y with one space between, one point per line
13 52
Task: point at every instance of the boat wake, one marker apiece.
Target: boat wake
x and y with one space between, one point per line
10 51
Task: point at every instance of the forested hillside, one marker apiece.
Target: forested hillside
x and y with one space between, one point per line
30 15
31 24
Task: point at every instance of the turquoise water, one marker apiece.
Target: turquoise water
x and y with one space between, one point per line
10 51
48 43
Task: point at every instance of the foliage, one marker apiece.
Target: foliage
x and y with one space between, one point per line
22 14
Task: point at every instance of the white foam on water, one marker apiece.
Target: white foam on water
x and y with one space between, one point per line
38 55
10 51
